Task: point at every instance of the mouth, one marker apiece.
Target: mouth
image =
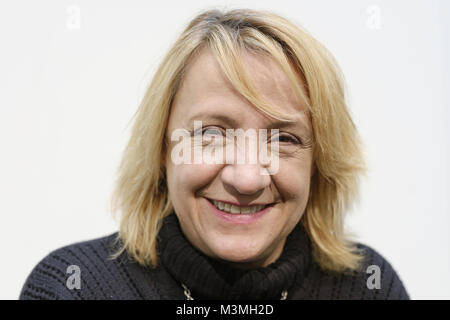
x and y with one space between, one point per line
233 209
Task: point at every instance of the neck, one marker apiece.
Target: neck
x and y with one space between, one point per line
260 263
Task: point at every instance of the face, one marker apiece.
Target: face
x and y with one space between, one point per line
245 240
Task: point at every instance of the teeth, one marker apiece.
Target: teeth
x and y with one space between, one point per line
247 210
236 209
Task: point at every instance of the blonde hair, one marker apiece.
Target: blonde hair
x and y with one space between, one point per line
141 193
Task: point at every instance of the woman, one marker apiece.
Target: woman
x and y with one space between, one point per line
215 227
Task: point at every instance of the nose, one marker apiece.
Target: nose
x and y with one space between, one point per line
245 178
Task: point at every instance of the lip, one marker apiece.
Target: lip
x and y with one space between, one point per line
238 218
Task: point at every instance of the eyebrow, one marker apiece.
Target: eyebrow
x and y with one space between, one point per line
233 122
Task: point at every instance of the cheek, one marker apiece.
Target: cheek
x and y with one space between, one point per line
293 179
186 179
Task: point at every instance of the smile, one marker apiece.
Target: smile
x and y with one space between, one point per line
237 210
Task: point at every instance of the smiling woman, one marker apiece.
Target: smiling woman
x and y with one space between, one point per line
248 240
230 229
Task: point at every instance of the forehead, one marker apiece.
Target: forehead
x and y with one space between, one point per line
205 86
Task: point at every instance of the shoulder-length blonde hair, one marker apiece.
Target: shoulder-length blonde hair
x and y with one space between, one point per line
141 193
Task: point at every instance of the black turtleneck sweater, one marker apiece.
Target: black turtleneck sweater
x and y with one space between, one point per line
180 263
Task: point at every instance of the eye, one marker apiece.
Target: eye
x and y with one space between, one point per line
287 138
212 131
209 134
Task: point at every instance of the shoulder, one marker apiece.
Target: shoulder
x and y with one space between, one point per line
375 279
381 279
83 270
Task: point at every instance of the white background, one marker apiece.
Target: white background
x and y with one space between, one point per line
67 95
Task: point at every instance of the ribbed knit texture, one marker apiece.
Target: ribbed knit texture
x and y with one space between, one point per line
211 279
123 278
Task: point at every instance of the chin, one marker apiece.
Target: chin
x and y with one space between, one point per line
237 253
239 258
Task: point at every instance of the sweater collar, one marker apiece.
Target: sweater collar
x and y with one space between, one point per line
208 278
